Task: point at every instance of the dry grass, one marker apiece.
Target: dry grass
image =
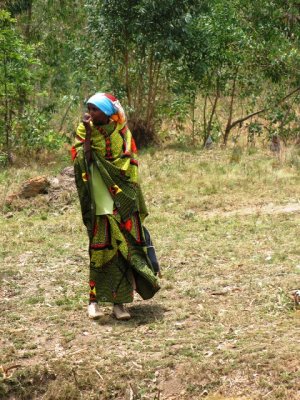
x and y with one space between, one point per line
223 325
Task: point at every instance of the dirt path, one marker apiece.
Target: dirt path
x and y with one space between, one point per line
270 208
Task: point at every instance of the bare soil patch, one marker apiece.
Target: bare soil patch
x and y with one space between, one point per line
270 208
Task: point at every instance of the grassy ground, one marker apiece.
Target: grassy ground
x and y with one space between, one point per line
223 325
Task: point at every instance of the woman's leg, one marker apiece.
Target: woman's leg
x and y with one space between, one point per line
94 310
120 312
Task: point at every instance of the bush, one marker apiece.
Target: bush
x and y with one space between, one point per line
144 136
32 132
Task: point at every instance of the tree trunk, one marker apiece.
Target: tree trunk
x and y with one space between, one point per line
27 32
67 111
204 114
282 123
127 80
22 98
139 92
7 116
156 75
193 117
212 114
150 88
228 125
242 119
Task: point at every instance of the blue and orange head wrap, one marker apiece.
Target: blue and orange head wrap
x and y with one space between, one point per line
110 105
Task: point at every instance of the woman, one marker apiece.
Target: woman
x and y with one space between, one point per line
113 208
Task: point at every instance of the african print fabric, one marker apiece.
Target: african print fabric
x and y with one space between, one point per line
119 263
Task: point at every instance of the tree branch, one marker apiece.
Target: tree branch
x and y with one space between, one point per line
242 119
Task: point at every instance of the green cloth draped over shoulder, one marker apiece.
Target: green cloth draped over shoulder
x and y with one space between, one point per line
117 238
119 172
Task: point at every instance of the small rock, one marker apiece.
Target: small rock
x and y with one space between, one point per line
296 296
69 171
189 214
9 199
179 325
209 142
275 144
34 186
9 215
55 183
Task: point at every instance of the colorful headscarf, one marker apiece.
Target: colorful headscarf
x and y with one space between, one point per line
110 105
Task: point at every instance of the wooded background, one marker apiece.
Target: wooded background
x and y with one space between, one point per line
194 71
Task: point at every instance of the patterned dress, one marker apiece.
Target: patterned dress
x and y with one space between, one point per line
113 211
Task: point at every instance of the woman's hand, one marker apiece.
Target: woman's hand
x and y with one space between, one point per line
86 119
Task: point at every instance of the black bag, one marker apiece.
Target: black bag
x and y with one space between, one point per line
151 251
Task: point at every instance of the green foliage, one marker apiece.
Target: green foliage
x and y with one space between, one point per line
170 60
58 29
16 58
16 7
137 48
283 121
3 159
32 132
233 48
255 130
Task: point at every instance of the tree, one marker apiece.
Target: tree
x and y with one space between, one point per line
16 58
249 51
136 41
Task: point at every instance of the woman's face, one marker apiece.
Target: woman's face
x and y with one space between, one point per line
98 116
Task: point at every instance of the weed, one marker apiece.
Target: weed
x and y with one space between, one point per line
236 155
223 325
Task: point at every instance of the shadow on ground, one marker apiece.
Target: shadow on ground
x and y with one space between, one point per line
147 313
141 315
